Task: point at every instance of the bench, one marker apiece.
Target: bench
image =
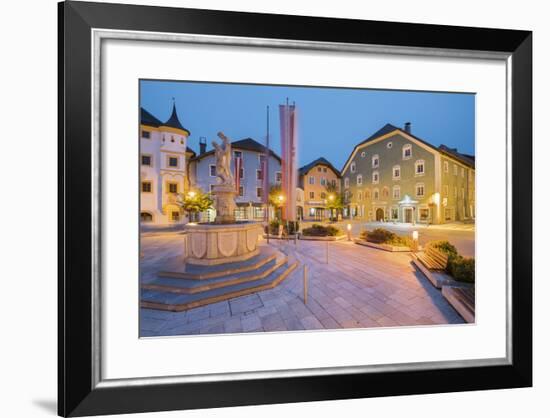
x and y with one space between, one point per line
462 299
432 258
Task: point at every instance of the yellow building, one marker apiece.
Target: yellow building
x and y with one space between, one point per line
313 179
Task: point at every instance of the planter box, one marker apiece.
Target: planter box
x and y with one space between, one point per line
385 247
314 238
438 278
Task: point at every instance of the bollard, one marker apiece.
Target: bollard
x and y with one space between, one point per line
305 283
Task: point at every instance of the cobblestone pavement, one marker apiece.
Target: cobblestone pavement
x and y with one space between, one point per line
360 287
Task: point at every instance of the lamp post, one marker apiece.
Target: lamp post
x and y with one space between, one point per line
331 198
415 241
348 227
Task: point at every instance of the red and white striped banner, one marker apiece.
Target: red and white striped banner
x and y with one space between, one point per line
288 119
238 166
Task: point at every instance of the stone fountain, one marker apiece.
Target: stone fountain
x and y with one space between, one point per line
221 260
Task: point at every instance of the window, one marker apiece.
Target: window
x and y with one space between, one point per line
419 168
359 180
261 159
455 170
375 177
352 167
324 169
376 194
367 194
346 182
146 217
211 188
212 170
462 192
312 195
241 173
363 154
278 176
259 192
420 190
396 172
455 194
424 214
446 166
323 195
259 175
175 216
146 187
394 213
323 181
346 195
146 160
448 214
359 196
375 161
333 183
462 172
407 151
172 187
445 191
241 191
172 161
145 134
385 192
237 154
389 145
311 180
396 192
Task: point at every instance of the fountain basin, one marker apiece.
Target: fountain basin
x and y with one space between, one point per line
212 244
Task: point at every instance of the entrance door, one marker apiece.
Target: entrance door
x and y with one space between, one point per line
379 214
408 215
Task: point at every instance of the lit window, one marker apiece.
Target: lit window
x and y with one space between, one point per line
311 180
396 192
146 160
172 187
396 172
146 134
146 187
346 182
407 151
352 167
359 180
212 170
419 168
172 161
375 177
446 166
420 190
424 214
375 161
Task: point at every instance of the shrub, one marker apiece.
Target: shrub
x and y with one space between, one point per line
383 236
445 247
461 268
317 230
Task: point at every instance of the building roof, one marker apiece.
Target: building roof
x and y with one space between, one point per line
246 144
187 149
469 160
172 122
319 161
148 119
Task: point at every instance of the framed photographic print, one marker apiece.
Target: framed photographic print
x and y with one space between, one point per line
264 208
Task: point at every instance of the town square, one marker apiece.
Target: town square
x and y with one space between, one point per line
247 229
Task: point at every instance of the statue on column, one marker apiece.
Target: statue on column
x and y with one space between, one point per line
224 192
223 160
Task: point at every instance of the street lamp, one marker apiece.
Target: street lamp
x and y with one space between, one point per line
191 194
349 231
415 240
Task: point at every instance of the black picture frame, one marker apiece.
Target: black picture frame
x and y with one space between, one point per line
77 392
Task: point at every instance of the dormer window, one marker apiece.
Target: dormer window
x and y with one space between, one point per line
375 161
407 151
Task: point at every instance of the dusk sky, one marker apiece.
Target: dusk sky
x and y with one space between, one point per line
331 121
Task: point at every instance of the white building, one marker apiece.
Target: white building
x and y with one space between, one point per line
163 168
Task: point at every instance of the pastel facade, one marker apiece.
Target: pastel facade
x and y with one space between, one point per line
313 179
250 199
396 176
163 168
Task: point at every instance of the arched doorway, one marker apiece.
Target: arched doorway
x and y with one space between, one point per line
146 217
379 214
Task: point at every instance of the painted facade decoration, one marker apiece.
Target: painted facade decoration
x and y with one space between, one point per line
163 168
394 176
313 179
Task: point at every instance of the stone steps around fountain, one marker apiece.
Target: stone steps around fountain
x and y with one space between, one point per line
177 285
170 301
176 268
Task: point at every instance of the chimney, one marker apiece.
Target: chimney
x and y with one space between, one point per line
202 145
408 127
